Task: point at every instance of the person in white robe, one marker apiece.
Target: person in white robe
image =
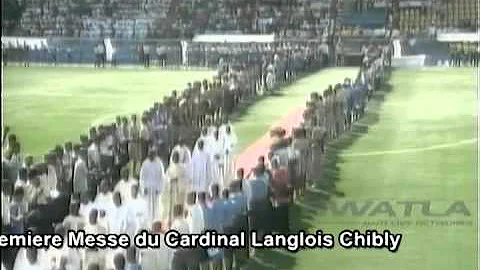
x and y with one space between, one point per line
124 186
117 216
185 155
218 152
152 178
51 183
195 216
93 227
33 261
178 178
22 262
207 141
202 168
157 258
86 204
104 199
80 175
230 142
94 256
137 209
74 221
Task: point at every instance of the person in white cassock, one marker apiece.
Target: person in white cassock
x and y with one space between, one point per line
230 142
185 155
178 178
117 216
207 141
152 178
124 186
195 215
202 168
137 209
218 152
157 258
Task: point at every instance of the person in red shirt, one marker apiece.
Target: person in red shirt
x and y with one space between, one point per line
281 196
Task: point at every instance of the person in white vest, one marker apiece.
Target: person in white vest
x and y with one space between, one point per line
152 178
202 169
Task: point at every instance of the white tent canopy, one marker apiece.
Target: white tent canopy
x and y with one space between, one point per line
235 38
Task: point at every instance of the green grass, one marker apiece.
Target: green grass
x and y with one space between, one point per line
422 108
45 106
257 120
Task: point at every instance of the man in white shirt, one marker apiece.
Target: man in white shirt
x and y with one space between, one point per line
152 178
202 169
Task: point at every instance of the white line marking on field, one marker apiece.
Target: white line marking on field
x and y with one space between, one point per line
410 150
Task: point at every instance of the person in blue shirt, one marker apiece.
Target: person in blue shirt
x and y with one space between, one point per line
238 206
215 223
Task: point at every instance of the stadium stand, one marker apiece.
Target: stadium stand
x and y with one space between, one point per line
80 175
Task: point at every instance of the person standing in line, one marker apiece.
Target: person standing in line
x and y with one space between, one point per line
152 179
146 55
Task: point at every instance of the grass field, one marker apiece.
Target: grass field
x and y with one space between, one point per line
47 105
417 143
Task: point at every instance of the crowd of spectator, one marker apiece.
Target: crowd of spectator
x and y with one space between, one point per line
138 173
